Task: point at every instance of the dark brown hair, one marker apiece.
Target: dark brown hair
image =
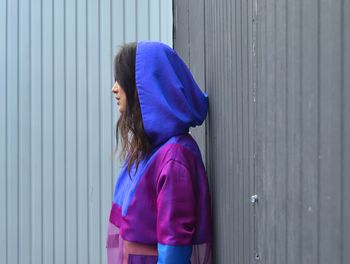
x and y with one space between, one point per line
135 143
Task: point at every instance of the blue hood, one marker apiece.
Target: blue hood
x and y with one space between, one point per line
170 98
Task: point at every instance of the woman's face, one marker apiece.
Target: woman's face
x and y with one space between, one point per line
120 96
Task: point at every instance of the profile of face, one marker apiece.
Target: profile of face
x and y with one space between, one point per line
120 96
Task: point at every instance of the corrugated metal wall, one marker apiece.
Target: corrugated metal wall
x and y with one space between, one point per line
188 42
57 119
216 35
303 131
278 78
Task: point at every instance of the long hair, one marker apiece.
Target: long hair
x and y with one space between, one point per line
135 143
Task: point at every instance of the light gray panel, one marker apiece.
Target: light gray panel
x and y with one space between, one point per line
106 124
82 128
165 14
59 135
36 131
71 130
57 127
154 6
94 137
143 19
130 12
12 130
48 132
117 39
24 165
3 131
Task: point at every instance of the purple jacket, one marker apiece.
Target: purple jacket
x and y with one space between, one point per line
161 213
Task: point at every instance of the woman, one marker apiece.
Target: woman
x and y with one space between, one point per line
161 205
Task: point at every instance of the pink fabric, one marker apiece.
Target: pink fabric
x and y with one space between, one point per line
113 244
120 251
201 254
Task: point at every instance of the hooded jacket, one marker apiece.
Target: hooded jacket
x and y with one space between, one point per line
161 214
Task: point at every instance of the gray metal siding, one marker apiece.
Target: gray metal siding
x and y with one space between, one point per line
303 131
188 41
57 119
216 34
277 75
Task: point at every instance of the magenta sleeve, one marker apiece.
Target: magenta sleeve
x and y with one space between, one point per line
175 205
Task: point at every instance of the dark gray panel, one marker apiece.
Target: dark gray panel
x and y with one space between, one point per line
329 126
229 162
277 75
299 126
188 42
293 146
345 132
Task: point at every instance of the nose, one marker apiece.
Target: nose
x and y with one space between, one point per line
115 88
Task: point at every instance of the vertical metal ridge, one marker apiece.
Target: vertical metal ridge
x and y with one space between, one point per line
136 21
236 171
188 30
30 130
76 132
99 131
53 135
301 177
87 134
274 129
149 19
18 136
318 127
265 125
160 26
342 128
65 130
124 21
253 14
41 133
112 80
206 132
6 132
242 163
228 138
286 133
